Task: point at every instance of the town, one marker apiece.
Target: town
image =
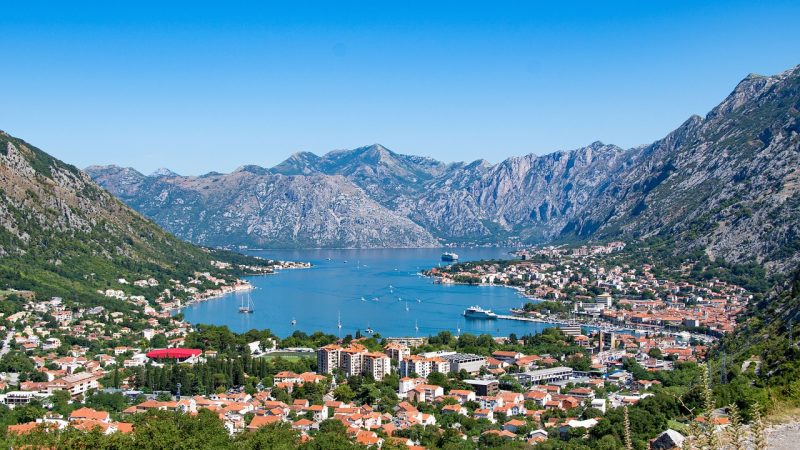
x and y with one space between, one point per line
577 285
621 336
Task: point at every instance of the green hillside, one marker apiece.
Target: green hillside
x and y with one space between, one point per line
62 235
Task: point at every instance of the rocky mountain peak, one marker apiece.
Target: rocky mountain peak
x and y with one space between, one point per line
254 169
163 172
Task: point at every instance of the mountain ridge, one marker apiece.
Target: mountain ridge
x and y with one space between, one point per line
699 182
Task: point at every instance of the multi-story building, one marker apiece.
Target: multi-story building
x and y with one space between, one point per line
80 383
543 376
397 351
608 340
410 342
465 361
484 387
415 364
328 358
376 364
352 360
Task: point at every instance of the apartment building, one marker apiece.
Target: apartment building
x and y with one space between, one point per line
352 360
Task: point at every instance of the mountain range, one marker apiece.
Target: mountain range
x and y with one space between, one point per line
63 235
725 184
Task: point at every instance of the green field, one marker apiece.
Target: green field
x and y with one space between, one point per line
292 356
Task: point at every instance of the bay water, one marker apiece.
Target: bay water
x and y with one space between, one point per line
379 289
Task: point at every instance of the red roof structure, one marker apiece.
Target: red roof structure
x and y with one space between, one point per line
174 353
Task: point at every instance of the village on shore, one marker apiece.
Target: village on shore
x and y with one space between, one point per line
513 395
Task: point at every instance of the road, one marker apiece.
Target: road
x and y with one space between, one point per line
6 343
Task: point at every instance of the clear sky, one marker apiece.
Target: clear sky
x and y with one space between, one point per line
197 86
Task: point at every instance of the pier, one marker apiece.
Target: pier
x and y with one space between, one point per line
531 319
605 329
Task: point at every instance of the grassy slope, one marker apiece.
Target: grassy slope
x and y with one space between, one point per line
63 235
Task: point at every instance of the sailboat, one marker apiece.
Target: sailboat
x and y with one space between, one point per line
246 308
363 299
406 306
339 324
416 326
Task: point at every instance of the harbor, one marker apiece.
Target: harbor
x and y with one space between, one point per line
379 289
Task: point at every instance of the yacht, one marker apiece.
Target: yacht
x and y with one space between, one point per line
476 312
246 307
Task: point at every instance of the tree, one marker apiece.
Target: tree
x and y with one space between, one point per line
279 436
627 424
159 341
344 393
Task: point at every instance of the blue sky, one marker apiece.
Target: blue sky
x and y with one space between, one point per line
197 86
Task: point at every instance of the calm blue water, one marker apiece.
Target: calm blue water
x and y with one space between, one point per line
396 298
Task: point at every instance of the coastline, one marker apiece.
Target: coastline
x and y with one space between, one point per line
520 290
242 285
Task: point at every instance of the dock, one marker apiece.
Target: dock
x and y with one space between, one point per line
531 319
557 323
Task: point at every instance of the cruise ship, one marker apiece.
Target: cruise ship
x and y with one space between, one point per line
476 312
447 256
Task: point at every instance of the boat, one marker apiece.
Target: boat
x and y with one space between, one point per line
363 299
476 312
294 322
246 308
406 306
449 256
369 330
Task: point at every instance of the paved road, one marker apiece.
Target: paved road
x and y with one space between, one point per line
6 343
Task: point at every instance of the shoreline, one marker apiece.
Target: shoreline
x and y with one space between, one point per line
240 282
550 319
